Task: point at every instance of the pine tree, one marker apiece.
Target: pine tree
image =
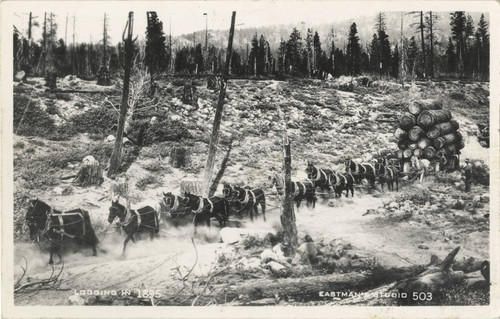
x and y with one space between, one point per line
395 62
483 47
375 54
458 23
310 53
294 51
353 52
156 58
282 57
318 53
339 64
411 55
469 50
450 57
254 52
262 63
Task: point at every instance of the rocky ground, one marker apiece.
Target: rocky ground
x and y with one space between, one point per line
326 120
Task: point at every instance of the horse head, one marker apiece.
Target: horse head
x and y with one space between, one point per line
36 217
226 191
115 210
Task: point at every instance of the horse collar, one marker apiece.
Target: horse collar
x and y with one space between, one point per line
200 206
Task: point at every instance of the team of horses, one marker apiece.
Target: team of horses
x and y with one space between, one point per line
75 226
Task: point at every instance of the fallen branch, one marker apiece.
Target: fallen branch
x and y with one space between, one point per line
53 282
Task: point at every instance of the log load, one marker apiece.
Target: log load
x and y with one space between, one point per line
440 130
418 152
416 107
428 118
400 134
407 153
455 124
402 145
423 143
430 152
415 133
407 121
412 146
427 131
445 140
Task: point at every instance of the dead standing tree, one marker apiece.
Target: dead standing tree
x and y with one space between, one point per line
114 162
288 215
214 139
104 77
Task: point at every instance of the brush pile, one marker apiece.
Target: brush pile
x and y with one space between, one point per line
427 131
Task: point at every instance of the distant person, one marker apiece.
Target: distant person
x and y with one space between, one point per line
443 161
467 173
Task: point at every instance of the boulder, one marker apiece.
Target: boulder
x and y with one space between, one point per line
267 255
308 250
110 138
278 269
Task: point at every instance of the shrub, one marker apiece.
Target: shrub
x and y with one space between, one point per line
416 195
155 150
161 132
481 173
19 145
52 109
97 121
20 207
157 167
35 121
63 96
144 182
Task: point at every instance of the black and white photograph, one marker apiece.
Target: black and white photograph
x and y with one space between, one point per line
238 155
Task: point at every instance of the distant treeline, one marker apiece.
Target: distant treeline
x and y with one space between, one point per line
302 55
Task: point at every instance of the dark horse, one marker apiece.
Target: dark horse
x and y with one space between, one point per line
72 226
360 171
387 174
129 220
320 177
341 182
300 191
206 208
172 205
249 198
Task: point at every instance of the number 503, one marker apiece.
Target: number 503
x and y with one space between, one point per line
423 296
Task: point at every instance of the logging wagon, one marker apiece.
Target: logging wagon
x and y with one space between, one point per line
426 131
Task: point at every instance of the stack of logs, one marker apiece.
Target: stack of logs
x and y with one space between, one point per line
427 131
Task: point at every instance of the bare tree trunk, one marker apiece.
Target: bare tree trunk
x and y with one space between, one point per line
431 58
218 177
422 37
114 162
401 54
214 139
288 215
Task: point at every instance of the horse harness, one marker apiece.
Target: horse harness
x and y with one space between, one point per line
201 206
62 225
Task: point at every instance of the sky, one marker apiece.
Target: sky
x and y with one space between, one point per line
187 16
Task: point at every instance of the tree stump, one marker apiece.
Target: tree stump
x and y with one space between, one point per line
51 80
104 77
90 173
179 157
187 95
